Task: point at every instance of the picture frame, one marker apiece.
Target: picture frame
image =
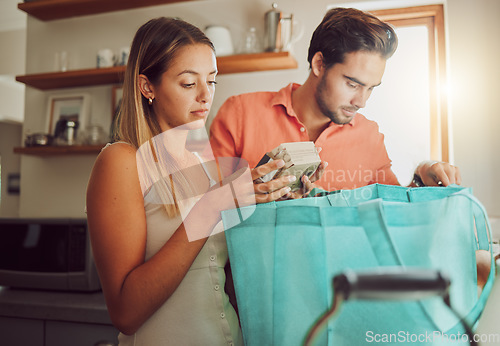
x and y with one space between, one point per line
67 106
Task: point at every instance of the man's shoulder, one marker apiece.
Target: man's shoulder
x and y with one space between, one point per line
257 97
365 123
236 107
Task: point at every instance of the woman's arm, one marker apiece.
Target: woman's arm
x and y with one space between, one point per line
133 289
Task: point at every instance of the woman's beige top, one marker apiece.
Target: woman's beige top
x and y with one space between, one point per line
198 312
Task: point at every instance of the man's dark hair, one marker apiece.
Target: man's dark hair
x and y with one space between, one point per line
347 30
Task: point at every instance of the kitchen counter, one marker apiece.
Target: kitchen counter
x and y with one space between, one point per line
53 305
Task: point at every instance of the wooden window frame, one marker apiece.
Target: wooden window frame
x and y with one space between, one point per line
432 16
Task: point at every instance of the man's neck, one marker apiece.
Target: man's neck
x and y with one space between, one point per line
306 108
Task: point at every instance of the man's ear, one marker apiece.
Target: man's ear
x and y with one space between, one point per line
317 63
146 87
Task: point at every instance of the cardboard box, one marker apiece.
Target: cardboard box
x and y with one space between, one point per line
301 158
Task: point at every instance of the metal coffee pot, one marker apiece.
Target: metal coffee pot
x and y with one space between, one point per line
281 30
65 132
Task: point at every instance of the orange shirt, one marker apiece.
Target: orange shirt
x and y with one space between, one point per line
250 125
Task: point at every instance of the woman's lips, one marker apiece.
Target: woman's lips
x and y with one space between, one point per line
200 112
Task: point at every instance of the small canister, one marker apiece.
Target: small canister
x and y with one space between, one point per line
279 27
272 39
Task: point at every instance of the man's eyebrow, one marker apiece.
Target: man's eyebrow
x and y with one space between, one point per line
195 73
352 79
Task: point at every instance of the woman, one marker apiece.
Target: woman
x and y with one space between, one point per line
161 270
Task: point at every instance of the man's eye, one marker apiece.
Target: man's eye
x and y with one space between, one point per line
212 82
352 85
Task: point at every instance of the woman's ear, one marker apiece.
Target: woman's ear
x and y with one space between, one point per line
146 87
317 64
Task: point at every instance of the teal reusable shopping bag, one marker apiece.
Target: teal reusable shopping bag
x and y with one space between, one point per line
284 255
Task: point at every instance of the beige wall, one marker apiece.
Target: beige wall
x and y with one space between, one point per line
56 186
13 52
12 63
474 74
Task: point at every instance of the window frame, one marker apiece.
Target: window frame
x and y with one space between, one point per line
431 16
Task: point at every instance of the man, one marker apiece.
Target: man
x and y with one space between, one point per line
347 58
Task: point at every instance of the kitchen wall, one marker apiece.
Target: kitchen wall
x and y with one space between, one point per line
474 89
10 135
12 62
56 186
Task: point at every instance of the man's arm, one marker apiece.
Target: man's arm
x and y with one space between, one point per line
224 130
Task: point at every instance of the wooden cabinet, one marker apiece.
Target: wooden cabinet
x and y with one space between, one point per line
59 333
21 331
33 332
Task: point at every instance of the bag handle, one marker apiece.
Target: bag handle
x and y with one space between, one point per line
483 230
372 217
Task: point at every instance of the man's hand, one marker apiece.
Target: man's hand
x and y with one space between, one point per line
318 173
434 173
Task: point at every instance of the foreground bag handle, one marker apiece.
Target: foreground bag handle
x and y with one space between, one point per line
392 284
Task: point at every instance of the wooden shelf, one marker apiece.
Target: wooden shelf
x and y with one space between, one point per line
114 75
59 150
47 10
256 62
74 78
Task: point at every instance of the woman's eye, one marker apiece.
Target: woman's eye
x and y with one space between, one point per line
352 85
188 85
212 82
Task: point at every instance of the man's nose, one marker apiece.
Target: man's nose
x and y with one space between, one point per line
360 98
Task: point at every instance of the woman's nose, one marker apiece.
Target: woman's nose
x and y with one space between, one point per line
204 94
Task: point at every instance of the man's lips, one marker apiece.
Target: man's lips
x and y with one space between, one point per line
349 111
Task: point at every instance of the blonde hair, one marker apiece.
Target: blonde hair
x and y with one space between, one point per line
154 47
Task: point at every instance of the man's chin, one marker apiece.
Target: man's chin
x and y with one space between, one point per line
341 120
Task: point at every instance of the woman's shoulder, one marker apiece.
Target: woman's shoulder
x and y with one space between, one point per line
116 157
117 150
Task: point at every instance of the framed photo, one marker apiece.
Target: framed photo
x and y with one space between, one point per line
67 107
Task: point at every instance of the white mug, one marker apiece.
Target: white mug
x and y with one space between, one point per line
123 56
105 58
221 39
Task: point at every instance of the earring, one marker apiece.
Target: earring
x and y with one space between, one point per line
150 100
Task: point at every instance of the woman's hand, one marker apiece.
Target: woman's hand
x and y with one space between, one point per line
273 189
278 189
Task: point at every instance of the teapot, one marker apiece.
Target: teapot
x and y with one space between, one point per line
280 30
